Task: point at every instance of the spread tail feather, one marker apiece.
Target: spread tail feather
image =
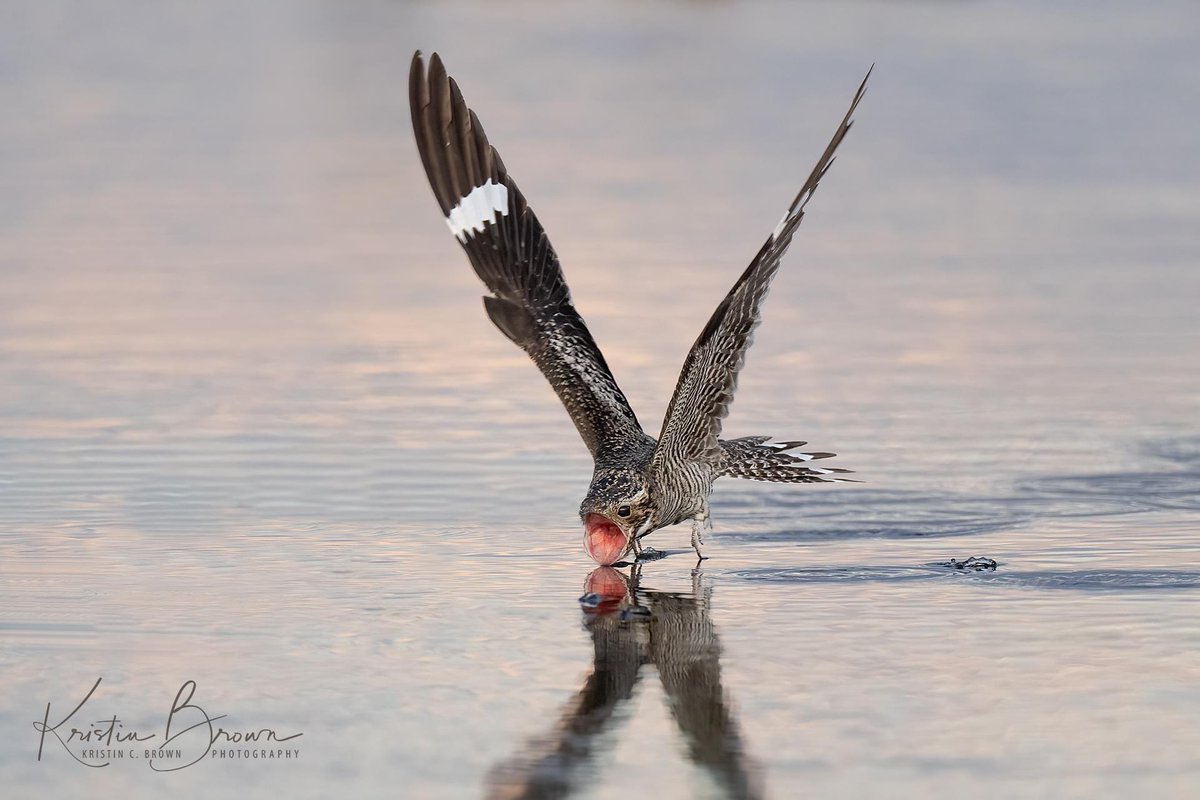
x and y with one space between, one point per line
756 458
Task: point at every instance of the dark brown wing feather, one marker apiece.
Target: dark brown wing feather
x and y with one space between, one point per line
707 383
510 252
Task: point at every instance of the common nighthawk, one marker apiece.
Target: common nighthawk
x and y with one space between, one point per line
639 484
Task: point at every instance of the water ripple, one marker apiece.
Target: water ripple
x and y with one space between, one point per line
882 513
1080 580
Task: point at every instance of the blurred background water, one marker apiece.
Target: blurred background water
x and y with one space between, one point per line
256 432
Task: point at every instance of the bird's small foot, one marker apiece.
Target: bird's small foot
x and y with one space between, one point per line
649 554
698 539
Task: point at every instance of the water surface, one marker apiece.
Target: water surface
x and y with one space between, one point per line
256 432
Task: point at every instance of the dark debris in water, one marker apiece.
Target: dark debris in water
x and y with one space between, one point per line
972 564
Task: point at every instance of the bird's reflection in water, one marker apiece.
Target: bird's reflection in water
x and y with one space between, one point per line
632 627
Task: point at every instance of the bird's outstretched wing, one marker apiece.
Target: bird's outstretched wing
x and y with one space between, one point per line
709 377
530 302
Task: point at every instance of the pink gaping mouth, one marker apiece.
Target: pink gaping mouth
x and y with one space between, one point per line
603 538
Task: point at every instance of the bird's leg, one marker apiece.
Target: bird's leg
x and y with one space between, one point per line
699 525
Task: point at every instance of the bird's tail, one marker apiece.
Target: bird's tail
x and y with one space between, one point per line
753 458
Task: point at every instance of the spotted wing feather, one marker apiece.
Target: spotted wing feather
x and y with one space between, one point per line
508 248
704 393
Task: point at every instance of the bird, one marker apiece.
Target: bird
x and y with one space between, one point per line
639 484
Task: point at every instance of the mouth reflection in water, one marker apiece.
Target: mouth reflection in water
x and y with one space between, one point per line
633 627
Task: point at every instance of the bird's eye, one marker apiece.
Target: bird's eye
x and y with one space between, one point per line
623 511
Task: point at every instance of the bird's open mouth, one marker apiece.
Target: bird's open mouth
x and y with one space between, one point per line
604 539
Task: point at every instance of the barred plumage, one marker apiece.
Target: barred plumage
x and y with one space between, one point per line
639 484
753 458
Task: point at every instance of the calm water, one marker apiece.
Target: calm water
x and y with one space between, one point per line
256 432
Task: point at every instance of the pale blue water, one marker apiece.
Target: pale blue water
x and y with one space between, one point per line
256 432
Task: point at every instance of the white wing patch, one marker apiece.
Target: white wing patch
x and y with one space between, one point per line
478 207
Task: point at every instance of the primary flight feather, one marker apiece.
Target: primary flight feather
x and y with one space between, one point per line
639 484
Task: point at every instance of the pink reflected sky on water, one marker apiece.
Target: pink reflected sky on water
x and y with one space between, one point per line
256 431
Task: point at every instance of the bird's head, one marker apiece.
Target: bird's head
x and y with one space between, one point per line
616 510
